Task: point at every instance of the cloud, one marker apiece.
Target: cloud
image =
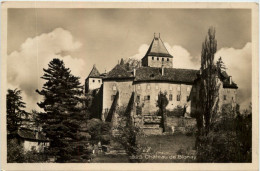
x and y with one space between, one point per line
182 58
239 63
141 52
25 66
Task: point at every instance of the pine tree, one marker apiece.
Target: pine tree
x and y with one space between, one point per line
63 116
220 65
15 111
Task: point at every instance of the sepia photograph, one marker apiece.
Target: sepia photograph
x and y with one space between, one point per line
130 84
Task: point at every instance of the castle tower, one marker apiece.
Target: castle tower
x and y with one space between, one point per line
157 54
93 81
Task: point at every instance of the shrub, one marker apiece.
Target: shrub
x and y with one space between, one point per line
177 112
229 140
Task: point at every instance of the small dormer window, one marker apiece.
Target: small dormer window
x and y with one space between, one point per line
148 87
93 81
99 81
157 58
152 58
170 87
162 59
167 59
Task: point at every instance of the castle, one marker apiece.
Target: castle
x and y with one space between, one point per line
142 84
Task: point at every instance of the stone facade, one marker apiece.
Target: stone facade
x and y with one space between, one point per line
157 61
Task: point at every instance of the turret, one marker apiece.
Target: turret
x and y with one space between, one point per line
157 54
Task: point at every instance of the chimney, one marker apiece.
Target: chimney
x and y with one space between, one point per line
134 72
230 80
162 70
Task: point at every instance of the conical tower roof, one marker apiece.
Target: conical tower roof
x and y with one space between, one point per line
157 48
94 73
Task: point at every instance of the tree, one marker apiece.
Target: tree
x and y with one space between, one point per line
15 111
220 65
162 102
209 85
63 114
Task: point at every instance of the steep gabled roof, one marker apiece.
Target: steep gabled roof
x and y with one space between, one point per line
170 75
94 73
157 48
118 72
31 135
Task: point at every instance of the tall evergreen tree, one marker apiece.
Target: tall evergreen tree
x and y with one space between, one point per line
63 116
209 86
15 111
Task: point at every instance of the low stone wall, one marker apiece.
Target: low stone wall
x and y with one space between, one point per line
182 125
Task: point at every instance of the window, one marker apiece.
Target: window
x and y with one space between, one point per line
138 99
147 97
178 97
113 97
99 81
157 59
152 58
114 87
225 97
167 59
93 81
33 148
162 59
170 87
179 88
148 87
138 87
170 97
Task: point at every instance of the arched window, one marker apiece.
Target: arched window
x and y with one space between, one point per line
152 58
162 59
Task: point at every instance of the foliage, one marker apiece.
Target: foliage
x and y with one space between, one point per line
220 64
162 102
15 154
127 134
209 86
64 112
177 112
99 131
15 111
230 140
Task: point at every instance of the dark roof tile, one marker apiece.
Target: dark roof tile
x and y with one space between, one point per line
170 74
94 73
118 72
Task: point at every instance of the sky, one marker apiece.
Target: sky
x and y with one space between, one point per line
84 37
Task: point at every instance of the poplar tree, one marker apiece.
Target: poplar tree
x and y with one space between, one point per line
63 115
209 86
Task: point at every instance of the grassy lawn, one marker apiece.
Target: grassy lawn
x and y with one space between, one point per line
161 149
